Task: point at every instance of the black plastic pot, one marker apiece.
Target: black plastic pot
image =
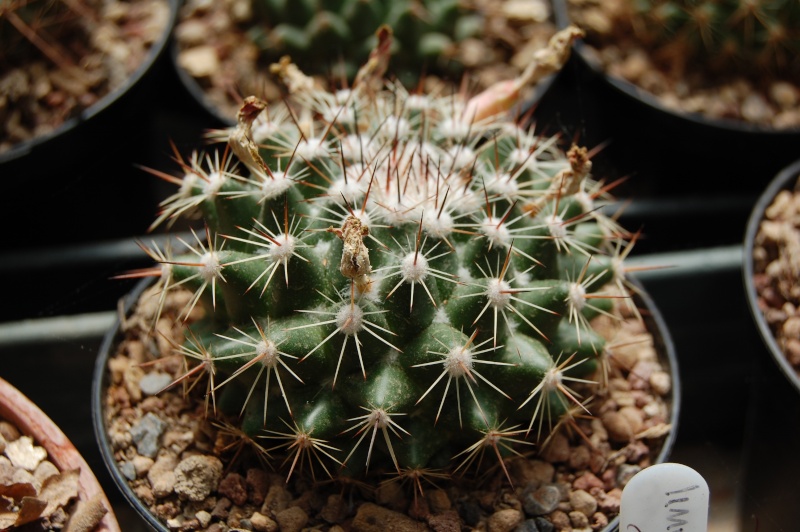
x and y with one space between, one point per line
784 180
78 178
673 153
654 321
42 146
772 471
99 387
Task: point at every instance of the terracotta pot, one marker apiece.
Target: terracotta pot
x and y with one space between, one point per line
654 322
31 421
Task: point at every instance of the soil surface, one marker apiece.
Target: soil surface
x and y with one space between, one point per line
196 471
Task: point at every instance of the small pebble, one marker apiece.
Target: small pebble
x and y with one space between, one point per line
257 485
583 502
445 522
128 470
200 61
542 500
203 517
557 449
784 94
87 515
221 508
373 518
438 500
528 525
587 481
578 520
335 509
470 512
756 109
560 520
234 487
635 417
262 523
391 495
579 457
618 427
162 475
153 382
277 499
197 476
625 472
599 521
545 525
8 431
610 501
504 520
142 464
524 472
146 434
292 519
661 382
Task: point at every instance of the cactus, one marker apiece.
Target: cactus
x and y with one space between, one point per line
227 47
337 37
393 282
722 34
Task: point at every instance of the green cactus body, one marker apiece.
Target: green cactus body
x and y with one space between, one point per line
400 291
335 38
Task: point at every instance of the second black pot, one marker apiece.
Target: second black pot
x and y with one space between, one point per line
772 471
670 153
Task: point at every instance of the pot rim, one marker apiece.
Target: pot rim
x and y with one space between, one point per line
99 385
40 142
656 325
631 90
785 179
21 411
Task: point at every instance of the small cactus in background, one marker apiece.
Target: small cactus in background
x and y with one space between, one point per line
227 47
392 282
336 37
722 34
729 60
760 34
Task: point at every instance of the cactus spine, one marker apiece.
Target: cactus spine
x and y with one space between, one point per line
394 282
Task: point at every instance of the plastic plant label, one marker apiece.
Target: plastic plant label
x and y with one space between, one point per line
665 498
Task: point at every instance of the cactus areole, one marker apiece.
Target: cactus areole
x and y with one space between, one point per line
393 283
